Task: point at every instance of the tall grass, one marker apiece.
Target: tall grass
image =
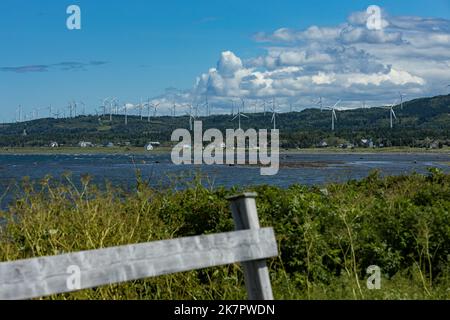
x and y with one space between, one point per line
327 237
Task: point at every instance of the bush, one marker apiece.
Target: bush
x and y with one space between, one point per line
327 236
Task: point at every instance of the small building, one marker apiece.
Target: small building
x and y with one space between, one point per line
151 145
85 144
367 143
54 144
322 144
434 145
109 145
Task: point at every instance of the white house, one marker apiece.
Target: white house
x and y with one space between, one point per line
85 144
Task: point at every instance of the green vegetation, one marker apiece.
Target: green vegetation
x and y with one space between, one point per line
80 150
165 149
327 236
421 123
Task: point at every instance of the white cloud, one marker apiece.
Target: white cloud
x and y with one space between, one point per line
396 77
229 64
322 78
349 61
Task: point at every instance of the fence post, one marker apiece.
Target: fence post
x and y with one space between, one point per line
256 273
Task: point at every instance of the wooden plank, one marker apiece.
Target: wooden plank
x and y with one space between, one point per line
256 273
23 279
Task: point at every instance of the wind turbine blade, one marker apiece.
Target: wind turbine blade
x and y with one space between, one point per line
393 113
336 104
243 115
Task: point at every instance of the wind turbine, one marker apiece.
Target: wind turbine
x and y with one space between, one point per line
243 104
84 108
112 101
74 106
232 107
392 115
103 106
57 114
264 106
36 113
127 105
239 115
19 113
206 104
191 117
149 105
274 115
70 109
140 109
173 110
333 113
155 106
401 99
116 107
255 106
196 110
319 103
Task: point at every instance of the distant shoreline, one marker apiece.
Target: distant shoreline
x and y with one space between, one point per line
163 150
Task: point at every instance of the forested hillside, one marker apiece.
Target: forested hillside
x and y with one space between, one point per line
419 122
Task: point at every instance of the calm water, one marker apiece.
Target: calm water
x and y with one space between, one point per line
157 168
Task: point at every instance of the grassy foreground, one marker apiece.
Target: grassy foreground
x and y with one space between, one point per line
327 237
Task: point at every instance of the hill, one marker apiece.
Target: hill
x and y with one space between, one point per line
420 122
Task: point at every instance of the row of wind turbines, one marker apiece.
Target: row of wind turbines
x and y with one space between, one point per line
111 106
74 109
319 103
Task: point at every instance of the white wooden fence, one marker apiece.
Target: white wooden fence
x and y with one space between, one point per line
249 244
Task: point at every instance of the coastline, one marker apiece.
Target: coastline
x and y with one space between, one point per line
167 150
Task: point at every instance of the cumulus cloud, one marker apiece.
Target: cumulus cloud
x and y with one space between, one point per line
348 61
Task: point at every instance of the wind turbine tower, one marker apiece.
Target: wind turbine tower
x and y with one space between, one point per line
274 116
401 99
333 114
392 115
239 115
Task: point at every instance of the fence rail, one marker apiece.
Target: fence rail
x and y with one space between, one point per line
250 245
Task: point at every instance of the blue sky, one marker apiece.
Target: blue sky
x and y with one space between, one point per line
136 49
